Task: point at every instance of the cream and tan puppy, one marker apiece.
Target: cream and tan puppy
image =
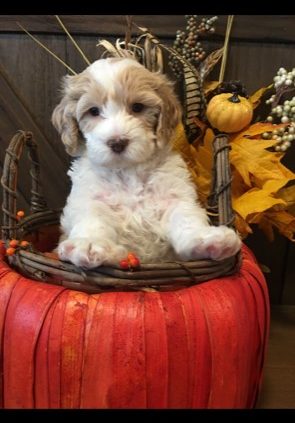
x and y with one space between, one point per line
130 191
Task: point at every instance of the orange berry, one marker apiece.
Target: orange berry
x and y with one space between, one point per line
24 244
124 264
134 262
13 243
130 256
20 214
10 251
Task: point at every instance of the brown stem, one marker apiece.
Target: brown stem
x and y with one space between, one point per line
234 98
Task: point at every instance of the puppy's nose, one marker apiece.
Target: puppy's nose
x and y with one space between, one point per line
118 145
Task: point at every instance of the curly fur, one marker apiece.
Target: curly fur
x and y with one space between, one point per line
139 199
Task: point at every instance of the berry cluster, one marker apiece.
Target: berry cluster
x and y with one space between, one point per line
283 136
187 42
284 83
15 244
130 263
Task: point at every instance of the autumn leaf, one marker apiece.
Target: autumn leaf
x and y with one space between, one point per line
238 187
283 221
188 153
250 157
257 129
242 226
288 195
210 86
266 226
199 160
255 201
180 144
255 98
260 191
202 128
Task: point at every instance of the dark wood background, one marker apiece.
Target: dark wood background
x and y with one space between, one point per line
30 80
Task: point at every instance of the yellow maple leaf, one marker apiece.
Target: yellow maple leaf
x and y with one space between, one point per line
255 201
262 172
238 187
242 226
210 86
199 160
259 192
283 221
255 98
250 157
288 195
256 129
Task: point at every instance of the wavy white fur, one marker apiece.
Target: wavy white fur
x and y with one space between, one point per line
130 191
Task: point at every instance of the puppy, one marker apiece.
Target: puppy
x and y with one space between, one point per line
130 191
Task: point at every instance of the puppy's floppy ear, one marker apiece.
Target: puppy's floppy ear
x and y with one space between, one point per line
64 116
170 114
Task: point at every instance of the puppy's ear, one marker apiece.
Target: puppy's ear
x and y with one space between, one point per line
170 114
64 116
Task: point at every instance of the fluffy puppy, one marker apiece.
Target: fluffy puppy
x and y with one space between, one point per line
130 191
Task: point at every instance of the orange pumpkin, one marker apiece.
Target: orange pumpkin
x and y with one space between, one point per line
197 347
229 112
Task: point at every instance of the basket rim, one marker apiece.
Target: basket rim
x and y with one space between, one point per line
156 275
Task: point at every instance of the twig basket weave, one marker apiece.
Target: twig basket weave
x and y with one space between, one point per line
162 276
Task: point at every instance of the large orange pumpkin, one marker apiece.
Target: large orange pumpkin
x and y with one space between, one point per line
197 347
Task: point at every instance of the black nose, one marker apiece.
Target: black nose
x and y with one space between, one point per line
118 145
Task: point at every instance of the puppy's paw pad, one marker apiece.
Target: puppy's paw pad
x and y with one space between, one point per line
82 252
65 249
215 243
89 253
221 242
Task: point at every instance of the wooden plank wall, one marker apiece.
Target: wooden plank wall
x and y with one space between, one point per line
30 80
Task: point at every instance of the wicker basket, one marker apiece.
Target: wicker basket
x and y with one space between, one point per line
32 262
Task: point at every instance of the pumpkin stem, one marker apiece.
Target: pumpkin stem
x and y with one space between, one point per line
234 98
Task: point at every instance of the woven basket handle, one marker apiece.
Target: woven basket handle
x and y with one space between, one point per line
219 201
9 182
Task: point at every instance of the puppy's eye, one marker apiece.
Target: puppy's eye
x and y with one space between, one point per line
137 107
94 111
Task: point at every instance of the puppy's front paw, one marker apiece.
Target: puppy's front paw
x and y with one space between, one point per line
217 243
89 253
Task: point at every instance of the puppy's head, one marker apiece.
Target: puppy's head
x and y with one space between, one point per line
116 111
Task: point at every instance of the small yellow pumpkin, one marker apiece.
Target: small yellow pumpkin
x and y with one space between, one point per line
229 112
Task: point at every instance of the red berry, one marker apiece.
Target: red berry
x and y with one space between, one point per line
13 243
134 262
124 264
24 244
20 214
10 251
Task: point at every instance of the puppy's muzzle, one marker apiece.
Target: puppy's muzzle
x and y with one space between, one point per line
118 145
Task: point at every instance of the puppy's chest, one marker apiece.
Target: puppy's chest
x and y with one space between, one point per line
139 197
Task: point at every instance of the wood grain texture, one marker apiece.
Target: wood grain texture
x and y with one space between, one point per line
248 27
27 101
36 78
55 184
